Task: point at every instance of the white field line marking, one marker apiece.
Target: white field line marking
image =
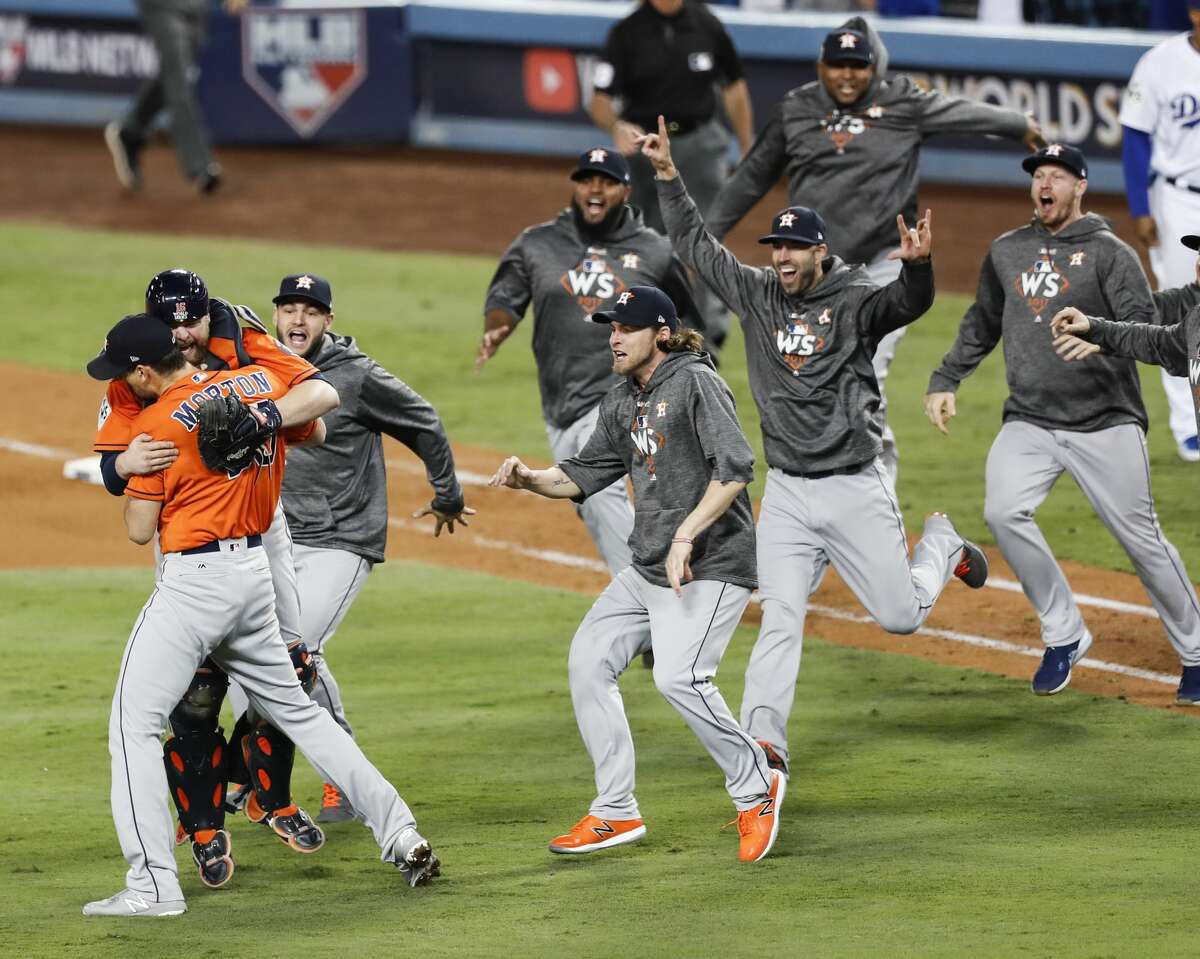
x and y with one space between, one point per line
982 642
468 478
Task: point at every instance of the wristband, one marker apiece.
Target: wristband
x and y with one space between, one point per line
683 539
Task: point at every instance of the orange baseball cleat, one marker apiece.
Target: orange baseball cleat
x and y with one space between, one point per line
591 834
759 825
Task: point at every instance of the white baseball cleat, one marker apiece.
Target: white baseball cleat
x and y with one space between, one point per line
417 863
129 904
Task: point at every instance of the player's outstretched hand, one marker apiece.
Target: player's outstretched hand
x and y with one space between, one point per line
444 519
1070 320
916 243
146 455
939 407
679 565
1073 348
656 147
512 473
1034 138
487 347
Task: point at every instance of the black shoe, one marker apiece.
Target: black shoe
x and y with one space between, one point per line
972 566
209 181
297 830
213 860
126 151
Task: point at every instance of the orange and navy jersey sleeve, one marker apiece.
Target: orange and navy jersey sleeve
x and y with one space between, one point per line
118 411
263 350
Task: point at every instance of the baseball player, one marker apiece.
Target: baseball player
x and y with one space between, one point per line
811 324
179 298
1160 119
850 143
670 425
212 599
1086 420
569 268
1172 345
335 495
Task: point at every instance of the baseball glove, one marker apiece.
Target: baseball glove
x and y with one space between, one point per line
230 433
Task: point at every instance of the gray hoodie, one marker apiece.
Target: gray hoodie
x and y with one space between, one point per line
568 277
1029 275
1175 346
856 165
335 495
672 439
809 356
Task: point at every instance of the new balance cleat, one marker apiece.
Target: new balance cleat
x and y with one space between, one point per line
1188 693
759 825
591 834
972 566
132 904
335 807
1054 673
417 864
211 850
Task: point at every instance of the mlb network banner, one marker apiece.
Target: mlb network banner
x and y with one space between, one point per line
308 74
87 54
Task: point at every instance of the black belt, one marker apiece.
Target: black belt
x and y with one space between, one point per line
1181 183
675 128
823 474
215 546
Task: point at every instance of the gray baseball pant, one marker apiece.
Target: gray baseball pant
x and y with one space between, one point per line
883 271
218 604
689 637
1112 469
177 35
852 522
329 581
608 514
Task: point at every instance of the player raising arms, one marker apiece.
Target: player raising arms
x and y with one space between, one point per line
811 324
213 599
672 428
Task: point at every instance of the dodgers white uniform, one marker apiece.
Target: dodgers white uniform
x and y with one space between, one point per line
1163 100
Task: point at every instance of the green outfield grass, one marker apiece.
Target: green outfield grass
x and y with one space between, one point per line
932 812
420 315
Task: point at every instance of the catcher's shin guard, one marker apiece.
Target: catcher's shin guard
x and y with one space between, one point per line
269 754
195 765
196 755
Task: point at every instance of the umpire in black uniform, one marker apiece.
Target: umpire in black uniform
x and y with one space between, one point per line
666 57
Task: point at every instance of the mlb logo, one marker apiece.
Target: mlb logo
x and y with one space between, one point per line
643 422
796 329
592 265
304 64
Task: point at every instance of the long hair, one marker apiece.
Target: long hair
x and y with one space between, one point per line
683 340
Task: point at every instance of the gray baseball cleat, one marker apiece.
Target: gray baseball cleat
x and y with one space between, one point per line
335 807
130 904
417 863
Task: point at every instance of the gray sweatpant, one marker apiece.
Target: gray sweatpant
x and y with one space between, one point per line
883 271
689 637
852 522
1112 469
177 31
329 581
218 604
608 514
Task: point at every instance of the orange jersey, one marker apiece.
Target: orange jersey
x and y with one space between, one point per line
120 407
198 504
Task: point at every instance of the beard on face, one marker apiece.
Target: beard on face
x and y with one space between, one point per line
596 231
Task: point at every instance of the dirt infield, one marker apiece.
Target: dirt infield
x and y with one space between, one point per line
405 199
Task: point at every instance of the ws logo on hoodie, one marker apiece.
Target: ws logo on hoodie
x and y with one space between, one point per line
1043 282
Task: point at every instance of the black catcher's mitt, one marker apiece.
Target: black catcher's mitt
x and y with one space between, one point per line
230 432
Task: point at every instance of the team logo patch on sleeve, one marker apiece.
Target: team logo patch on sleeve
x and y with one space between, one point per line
105 412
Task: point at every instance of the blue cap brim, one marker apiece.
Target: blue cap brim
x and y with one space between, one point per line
102 368
787 238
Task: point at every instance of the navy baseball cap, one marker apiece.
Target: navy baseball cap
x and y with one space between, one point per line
305 286
603 160
1060 154
641 306
796 224
847 46
139 338
177 296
